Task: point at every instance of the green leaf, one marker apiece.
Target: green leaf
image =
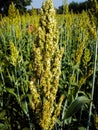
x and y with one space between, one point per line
11 91
2 114
3 126
24 107
76 105
81 128
26 128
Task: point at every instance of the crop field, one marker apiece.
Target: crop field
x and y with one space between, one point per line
48 70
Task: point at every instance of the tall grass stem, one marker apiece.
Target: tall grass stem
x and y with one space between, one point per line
92 93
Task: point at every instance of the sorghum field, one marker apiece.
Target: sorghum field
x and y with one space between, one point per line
48 70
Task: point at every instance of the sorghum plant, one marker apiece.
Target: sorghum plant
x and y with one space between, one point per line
77 37
46 69
15 52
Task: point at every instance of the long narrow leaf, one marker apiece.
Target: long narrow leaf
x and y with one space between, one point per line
76 105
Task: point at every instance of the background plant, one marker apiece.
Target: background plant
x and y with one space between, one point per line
17 34
78 39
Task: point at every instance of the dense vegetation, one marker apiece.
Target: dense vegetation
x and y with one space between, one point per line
79 7
49 69
19 4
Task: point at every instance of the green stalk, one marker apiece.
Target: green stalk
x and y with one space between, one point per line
92 94
3 87
2 77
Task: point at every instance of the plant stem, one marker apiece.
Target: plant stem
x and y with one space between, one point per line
92 94
2 78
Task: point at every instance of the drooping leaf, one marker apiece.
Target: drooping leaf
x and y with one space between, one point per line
76 105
